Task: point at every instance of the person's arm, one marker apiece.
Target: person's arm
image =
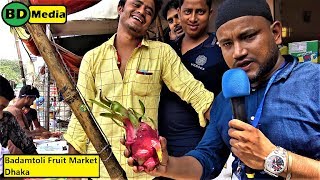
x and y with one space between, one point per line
72 150
303 168
20 139
38 127
207 113
36 123
179 80
252 146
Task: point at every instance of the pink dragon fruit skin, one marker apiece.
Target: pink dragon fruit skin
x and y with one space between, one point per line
144 145
141 139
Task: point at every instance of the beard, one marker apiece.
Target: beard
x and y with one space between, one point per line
129 26
264 69
136 31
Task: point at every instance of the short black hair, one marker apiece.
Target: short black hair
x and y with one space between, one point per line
157 5
29 90
208 2
6 90
172 4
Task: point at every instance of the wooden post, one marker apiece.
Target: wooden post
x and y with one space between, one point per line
159 27
76 102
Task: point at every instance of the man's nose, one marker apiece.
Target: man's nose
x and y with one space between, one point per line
176 21
141 10
193 17
239 51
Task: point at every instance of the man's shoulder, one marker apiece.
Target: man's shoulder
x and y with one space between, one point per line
159 48
306 66
221 100
8 114
8 117
211 43
158 44
307 70
32 112
12 109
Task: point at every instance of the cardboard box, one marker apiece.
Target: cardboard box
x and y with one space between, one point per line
305 50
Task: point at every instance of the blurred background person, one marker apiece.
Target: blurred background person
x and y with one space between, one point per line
10 130
32 118
178 121
27 96
174 29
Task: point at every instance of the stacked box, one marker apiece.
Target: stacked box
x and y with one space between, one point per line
305 50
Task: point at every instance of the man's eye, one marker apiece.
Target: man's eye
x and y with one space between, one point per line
201 12
170 21
149 12
135 4
250 36
226 44
187 12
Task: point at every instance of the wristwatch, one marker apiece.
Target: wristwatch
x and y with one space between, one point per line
276 162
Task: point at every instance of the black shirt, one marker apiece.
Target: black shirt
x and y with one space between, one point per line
178 121
11 130
31 115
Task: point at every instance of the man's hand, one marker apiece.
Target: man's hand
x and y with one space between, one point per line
207 113
249 144
160 169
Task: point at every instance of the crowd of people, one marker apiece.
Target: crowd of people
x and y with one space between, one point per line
200 54
179 81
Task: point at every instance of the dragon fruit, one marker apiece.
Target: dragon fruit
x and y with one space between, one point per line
141 139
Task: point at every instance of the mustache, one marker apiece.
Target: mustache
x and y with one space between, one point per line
177 28
241 62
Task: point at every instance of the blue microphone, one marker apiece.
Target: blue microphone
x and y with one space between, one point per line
236 85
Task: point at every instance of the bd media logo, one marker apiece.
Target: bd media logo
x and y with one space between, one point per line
16 14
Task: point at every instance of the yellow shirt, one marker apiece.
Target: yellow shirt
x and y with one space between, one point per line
99 71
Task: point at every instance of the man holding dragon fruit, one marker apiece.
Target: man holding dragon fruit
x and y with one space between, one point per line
128 68
282 137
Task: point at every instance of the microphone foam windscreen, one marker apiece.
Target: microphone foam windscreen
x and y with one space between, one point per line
235 83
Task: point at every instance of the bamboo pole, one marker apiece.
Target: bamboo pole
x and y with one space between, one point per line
75 101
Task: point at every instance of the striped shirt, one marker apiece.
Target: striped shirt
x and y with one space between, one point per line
149 66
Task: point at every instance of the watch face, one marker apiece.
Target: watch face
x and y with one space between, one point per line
275 164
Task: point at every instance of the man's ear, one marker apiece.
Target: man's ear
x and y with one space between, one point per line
276 29
120 9
211 13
